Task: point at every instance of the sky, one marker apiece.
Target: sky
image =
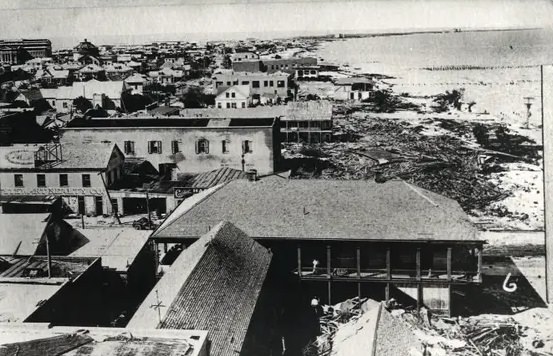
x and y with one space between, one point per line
213 19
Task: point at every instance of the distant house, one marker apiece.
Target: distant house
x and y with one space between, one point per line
307 121
90 71
136 83
355 88
224 271
237 96
80 173
288 65
243 56
53 74
166 76
307 72
264 87
104 94
117 71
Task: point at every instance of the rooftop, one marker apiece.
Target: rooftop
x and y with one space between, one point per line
168 121
118 247
32 339
21 233
225 270
24 282
276 208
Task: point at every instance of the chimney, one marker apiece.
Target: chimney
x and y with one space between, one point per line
252 175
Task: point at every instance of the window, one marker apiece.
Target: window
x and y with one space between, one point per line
233 105
174 146
65 105
271 83
245 82
219 105
218 84
266 83
280 83
228 84
233 94
154 147
202 146
227 94
243 104
40 180
255 84
228 105
86 180
18 180
224 146
247 146
63 180
128 147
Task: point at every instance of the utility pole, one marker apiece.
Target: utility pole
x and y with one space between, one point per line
547 130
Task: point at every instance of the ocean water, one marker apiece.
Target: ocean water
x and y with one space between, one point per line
496 69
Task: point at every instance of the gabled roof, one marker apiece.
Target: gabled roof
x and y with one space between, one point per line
213 285
87 155
111 89
326 210
242 92
136 78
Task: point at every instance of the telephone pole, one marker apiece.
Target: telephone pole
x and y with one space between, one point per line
547 129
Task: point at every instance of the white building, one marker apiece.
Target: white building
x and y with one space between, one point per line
237 96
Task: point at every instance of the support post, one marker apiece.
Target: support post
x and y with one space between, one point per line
299 262
388 264
329 292
479 265
328 264
419 296
387 292
358 255
449 263
418 261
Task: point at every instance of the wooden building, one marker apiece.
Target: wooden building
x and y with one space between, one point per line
347 238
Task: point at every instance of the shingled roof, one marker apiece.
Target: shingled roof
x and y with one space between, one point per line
213 285
274 208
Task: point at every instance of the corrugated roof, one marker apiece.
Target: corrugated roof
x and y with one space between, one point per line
326 209
213 285
216 177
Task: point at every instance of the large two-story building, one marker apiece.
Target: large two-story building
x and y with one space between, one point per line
191 145
80 173
346 238
265 87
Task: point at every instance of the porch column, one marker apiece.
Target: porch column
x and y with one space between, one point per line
418 260
388 263
299 262
479 268
358 252
449 263
329 273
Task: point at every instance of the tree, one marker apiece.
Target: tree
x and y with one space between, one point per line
82 104
384 101
196 98
132 103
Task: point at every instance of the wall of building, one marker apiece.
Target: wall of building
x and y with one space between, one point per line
287 64
263 81
247 66
265 144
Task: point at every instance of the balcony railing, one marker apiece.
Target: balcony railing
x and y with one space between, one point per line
426 275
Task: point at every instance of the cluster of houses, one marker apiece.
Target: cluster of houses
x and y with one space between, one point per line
235 231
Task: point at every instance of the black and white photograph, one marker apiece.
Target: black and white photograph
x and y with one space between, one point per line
276 178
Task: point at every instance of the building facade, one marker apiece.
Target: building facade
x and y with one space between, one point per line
19 51
191 145
262 85
237 96
79 173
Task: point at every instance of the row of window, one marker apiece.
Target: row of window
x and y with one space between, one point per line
255 83
231 105
41 180
202 146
